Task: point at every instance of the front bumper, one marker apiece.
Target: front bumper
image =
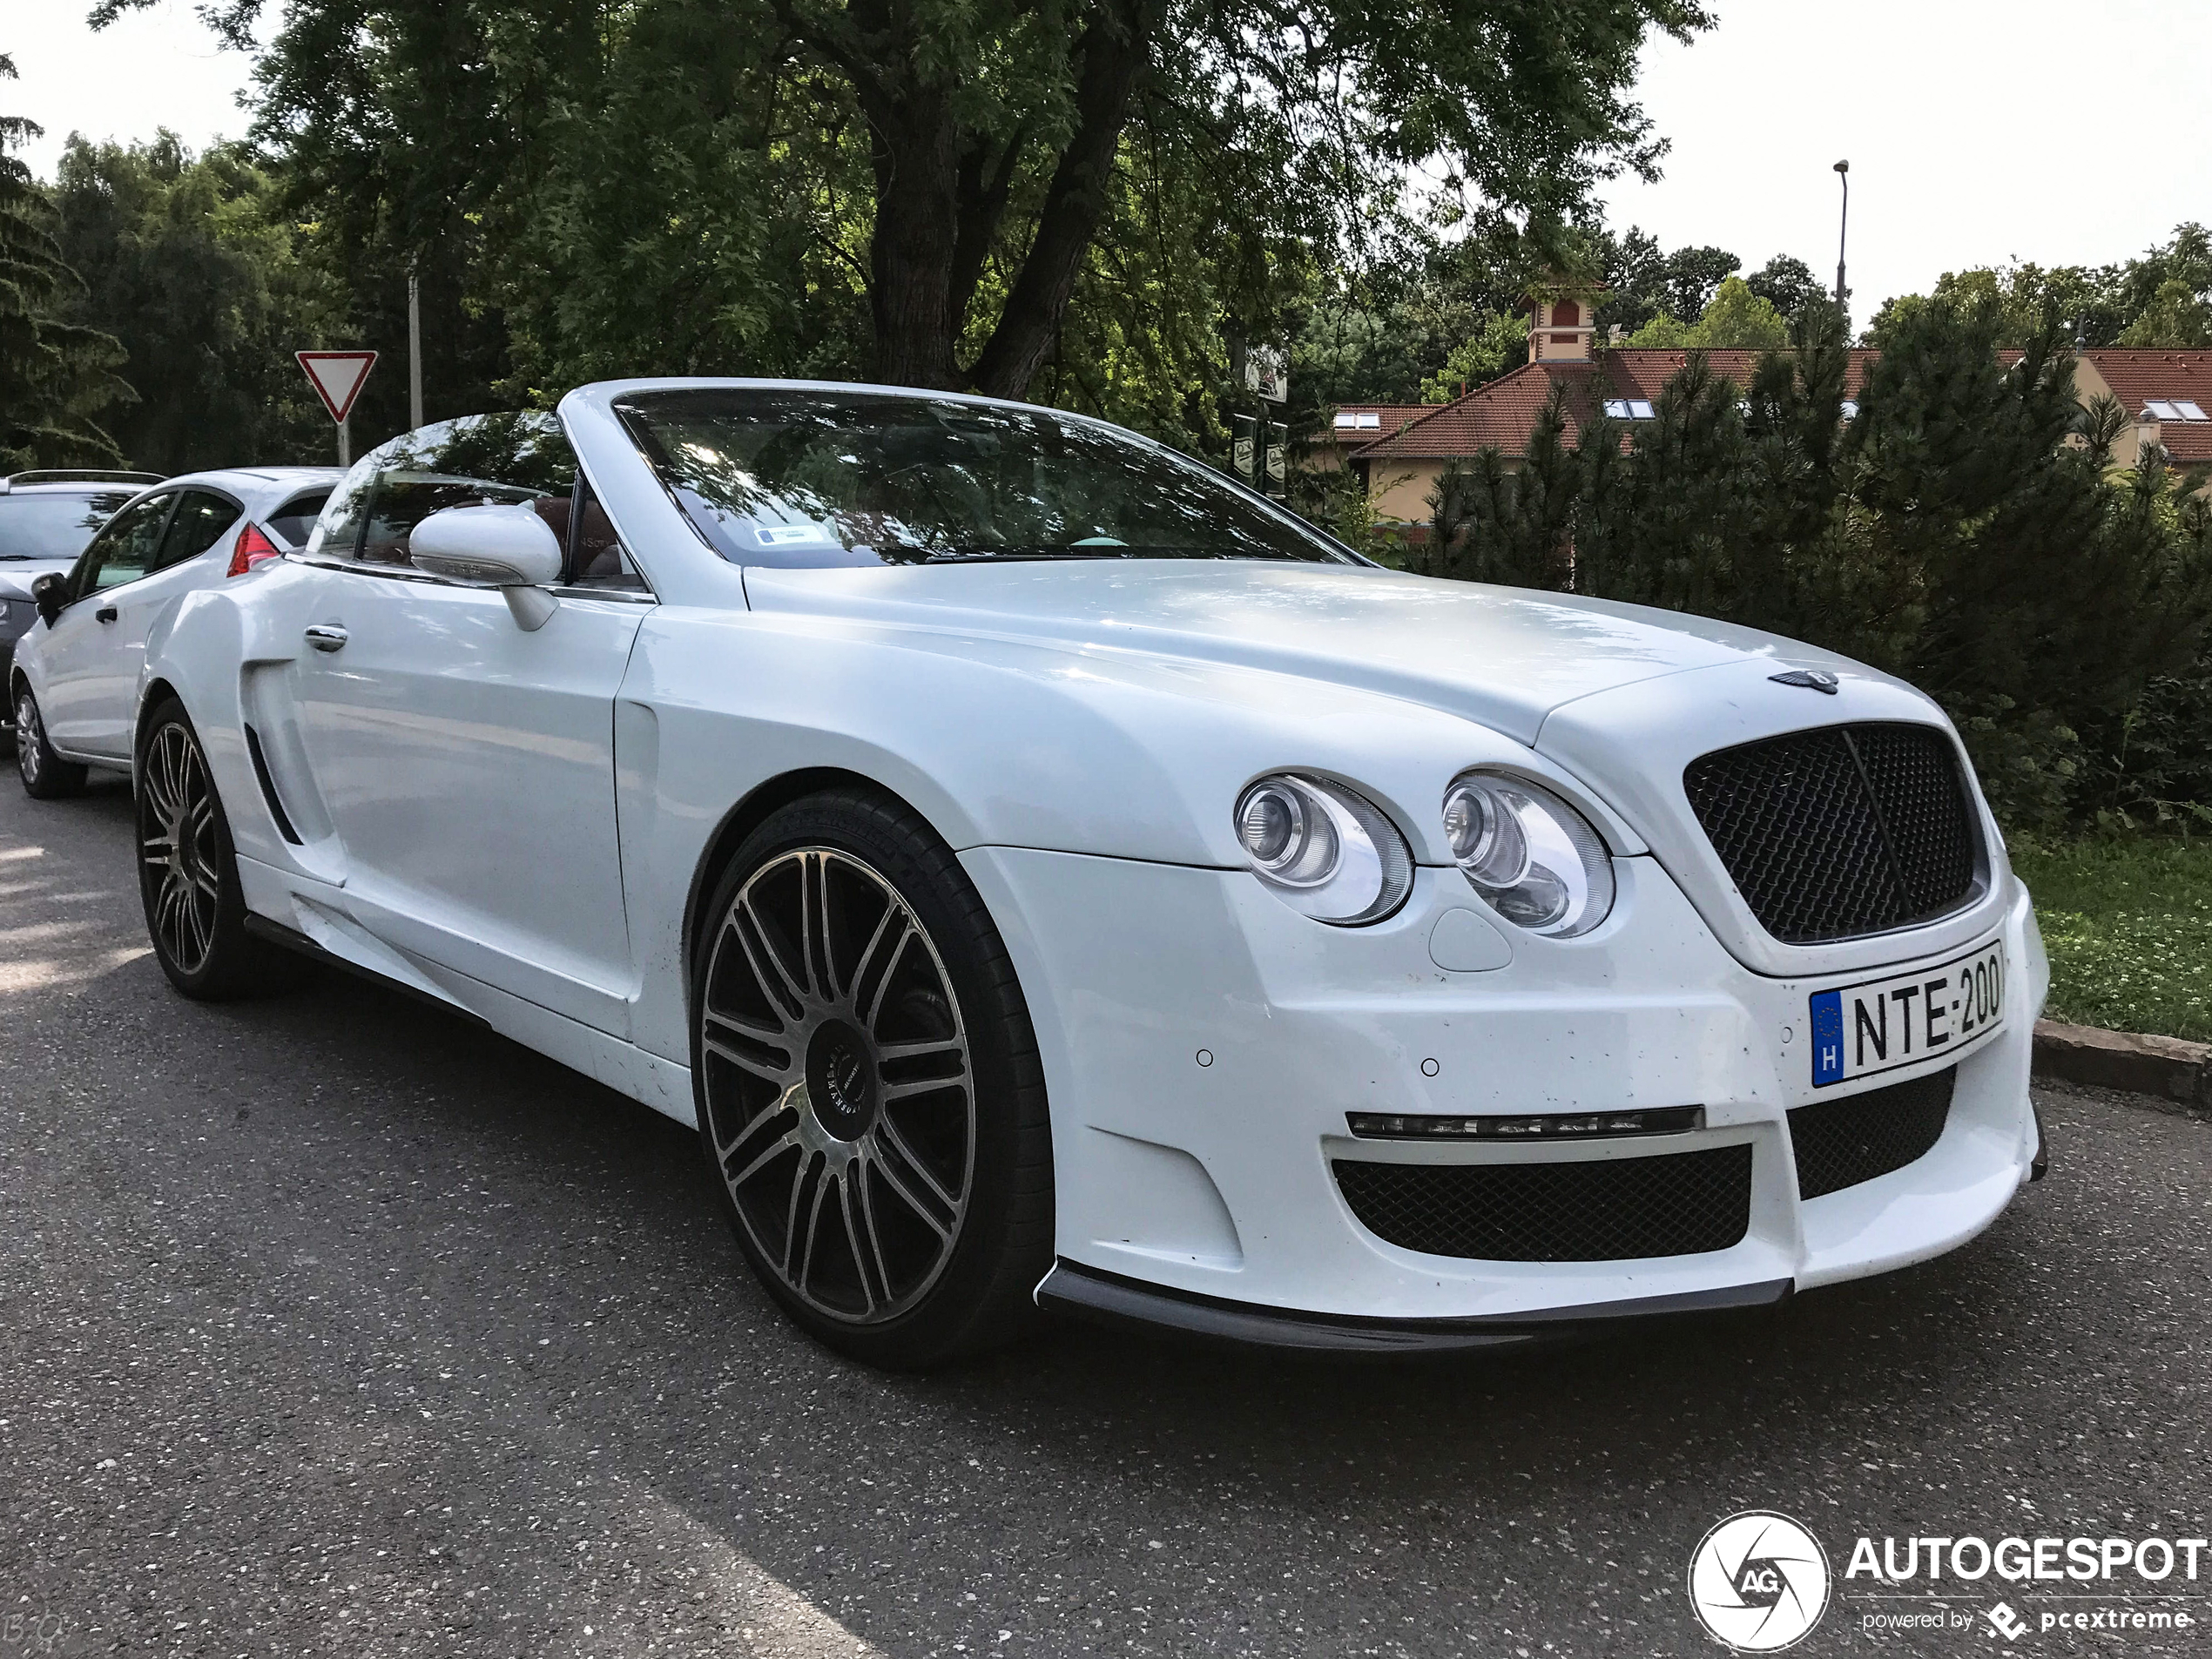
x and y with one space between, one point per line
1203 1045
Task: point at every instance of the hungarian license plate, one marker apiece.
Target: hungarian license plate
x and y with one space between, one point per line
1930 1013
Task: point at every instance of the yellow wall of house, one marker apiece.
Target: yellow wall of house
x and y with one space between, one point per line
1401 489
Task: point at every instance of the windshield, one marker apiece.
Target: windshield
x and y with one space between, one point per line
54 525
787 477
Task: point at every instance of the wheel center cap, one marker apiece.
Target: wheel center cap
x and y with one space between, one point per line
840 1080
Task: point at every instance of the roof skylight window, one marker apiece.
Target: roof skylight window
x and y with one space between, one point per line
1352 421
1639 409
2189 410
1616 409
2163 411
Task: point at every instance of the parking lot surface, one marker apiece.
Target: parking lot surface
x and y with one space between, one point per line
331 1324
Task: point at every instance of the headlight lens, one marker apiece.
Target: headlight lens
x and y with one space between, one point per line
1328 852
1535 858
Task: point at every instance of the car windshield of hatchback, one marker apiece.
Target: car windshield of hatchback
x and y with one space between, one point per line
798 478
54 525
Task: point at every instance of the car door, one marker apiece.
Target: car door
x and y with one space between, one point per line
184 560
75 660
466 763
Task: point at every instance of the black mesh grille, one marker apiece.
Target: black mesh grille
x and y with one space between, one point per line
1607 1209
1841 831
1839 1143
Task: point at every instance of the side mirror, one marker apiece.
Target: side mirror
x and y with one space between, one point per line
50 593
507 547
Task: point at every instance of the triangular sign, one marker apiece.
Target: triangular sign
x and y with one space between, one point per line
337 377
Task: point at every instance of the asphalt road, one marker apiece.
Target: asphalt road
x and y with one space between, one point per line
330 1325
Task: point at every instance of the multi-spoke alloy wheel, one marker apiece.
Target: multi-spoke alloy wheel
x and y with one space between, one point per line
869 1090
45 775
177 846
839 1091
187 870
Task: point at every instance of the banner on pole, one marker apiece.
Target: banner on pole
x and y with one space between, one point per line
337 377
1267 372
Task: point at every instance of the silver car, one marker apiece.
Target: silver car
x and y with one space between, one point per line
75 667
45 519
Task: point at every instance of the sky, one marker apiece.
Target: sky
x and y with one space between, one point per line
1978 130
151 69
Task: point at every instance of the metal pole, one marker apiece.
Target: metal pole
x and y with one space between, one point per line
1842 227
346 441
414 350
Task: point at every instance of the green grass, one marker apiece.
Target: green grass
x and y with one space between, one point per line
2129 924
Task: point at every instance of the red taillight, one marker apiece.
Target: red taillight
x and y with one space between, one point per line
252 548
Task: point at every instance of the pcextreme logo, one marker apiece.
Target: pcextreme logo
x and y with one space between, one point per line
1760 1581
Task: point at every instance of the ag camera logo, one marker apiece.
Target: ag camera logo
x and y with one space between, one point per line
1759 1582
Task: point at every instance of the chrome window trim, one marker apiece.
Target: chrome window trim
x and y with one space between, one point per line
403 573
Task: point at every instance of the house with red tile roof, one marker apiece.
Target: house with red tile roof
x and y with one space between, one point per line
1354 426
2168 396
1400 465
1399 451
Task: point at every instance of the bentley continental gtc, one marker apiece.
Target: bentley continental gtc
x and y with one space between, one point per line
1048 874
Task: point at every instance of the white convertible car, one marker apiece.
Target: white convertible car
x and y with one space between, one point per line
1048 873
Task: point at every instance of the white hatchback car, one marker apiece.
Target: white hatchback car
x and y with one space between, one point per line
73 686
1047 873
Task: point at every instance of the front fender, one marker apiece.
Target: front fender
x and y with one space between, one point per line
996 742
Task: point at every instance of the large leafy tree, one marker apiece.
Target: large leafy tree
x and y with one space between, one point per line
2160 299
210 289
923 188
56 377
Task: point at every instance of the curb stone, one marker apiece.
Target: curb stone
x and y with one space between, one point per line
2144 1065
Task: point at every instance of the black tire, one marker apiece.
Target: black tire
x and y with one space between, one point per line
833 1071
188 869
45 775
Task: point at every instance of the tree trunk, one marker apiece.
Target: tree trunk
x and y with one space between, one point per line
912 249
1116 50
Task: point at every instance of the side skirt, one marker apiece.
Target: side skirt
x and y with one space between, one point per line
623 1067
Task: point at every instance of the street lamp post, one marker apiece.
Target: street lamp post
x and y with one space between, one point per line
1842 228
414 348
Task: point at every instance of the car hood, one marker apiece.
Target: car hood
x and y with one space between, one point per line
16 577
1504 657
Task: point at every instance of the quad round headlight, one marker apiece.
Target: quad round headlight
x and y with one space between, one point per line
1328 852
1535 858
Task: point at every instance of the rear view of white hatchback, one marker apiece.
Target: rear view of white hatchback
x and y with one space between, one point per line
74 684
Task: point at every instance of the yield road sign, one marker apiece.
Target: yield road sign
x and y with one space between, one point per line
337 377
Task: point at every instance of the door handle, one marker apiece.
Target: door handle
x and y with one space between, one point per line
105 613
326 636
